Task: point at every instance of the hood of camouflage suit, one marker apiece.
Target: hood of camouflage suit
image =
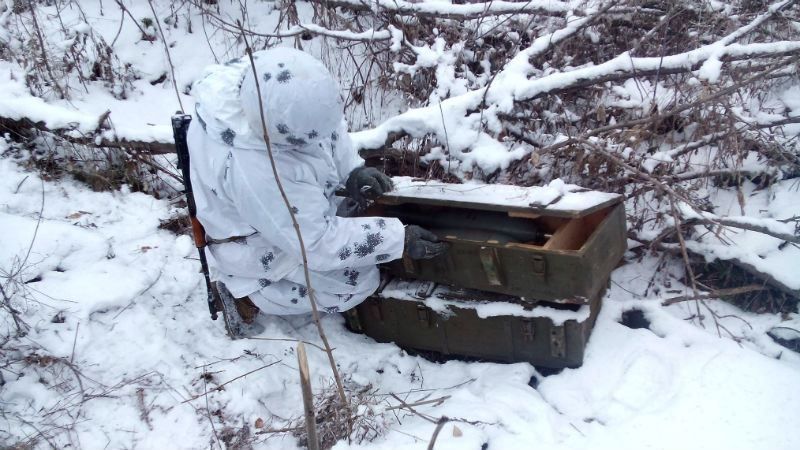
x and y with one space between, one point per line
300 98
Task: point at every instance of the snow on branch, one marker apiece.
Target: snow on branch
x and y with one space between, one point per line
456 11
512 84
304 28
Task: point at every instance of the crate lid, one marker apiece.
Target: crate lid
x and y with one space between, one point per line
556 199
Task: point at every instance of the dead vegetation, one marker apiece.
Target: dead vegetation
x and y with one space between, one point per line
667 136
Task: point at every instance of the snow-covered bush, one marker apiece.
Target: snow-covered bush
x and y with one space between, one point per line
691 109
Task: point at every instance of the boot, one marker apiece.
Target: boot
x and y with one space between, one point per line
247 310
239 314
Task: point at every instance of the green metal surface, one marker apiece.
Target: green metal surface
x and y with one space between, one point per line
526 256
413 326
532 272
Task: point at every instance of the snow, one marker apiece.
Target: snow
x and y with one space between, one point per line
763 208
468 9
556 196
440 299
17 103
136 325
134 303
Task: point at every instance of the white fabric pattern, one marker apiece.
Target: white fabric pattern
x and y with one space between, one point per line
236 193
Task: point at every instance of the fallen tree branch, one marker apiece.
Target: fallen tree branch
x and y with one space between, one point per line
20 126
763 229
713 294
513 86
221 386
308 28
461 11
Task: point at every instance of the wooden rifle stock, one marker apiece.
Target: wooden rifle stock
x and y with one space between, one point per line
180 126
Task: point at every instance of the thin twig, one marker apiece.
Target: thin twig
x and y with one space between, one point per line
439 424
218 388
713 294
306 274
166 49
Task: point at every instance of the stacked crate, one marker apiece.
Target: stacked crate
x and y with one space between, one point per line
523 278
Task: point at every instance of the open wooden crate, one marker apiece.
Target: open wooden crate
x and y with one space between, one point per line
558 244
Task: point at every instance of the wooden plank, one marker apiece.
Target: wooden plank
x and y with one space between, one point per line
308 398
524 214
570 236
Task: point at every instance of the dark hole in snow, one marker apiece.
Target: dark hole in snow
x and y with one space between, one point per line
160 79
786 337
267 76
312 134
634 319
58 318
282 128
35 279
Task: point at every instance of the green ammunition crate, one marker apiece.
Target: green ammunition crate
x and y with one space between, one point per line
554 243
459 331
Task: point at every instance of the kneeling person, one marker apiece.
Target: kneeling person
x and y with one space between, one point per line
253 247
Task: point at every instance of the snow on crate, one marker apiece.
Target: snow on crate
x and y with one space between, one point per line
443 299
557 197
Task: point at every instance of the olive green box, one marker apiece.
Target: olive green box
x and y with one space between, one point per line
461 332
561 249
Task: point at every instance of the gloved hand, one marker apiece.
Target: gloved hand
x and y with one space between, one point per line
367 183
422 244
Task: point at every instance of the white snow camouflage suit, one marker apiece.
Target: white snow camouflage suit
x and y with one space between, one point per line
236 193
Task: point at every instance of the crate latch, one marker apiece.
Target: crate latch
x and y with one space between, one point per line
424 289
557 342
424 315
377 311
528 330
353 320
491 265
539 264
409 265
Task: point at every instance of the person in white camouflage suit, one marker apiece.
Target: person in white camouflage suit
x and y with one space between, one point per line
253 247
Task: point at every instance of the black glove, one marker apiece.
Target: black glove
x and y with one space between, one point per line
422 244
367 183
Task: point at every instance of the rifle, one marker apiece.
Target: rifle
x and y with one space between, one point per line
180 125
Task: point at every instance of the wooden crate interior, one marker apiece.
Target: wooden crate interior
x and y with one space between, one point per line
559 233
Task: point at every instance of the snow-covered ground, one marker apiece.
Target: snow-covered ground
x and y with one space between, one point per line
122 301
121 348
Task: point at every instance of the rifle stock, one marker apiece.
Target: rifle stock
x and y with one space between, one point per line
180 126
